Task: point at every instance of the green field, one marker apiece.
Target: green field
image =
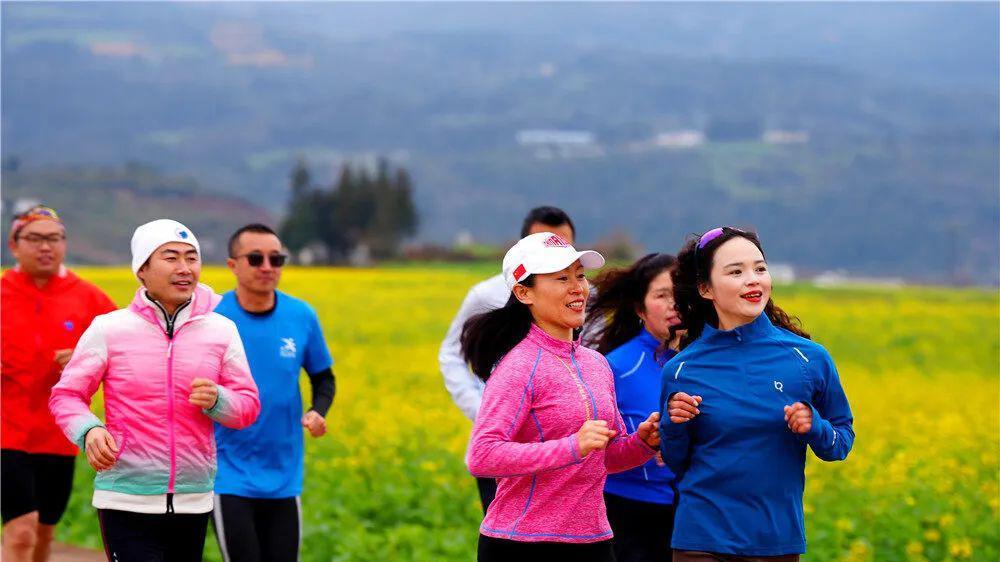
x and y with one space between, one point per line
920 366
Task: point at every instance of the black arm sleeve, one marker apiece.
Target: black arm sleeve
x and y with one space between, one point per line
324 386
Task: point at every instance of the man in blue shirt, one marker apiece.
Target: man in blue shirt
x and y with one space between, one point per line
257 509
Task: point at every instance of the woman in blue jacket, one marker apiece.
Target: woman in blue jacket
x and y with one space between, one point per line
633 314
741 401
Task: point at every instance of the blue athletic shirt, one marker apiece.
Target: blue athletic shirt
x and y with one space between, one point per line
265 460
637 384
741 471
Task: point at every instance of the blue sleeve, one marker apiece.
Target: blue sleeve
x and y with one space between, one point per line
317 355
675 438
832 434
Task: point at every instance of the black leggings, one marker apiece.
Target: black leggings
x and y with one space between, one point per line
159 537
257 530
503 550
642 529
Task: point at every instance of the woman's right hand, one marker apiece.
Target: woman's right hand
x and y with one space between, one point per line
593 435
102 451
683 407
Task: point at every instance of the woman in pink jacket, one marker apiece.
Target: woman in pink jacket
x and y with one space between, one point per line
548 429
170 367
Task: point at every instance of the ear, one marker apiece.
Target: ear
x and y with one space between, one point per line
231 264
141 273
524 294
705 290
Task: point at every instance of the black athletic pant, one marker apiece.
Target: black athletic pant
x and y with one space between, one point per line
699 556
34 482
487 491
256 529
503 550
159 537
642 529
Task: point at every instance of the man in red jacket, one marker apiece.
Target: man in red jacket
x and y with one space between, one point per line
45 310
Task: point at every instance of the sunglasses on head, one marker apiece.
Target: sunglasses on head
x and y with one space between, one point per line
256 259
715 233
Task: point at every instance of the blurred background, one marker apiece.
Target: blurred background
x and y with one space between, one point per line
861 139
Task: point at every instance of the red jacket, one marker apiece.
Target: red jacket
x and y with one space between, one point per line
34 324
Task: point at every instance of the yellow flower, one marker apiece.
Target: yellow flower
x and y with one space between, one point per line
932 535
960 548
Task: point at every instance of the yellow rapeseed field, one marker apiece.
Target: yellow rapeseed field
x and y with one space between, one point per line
920 366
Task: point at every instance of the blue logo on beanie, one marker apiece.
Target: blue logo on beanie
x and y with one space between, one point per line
181 233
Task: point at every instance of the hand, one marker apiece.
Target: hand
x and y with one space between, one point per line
62 356
593 435
647 431
683 407
204 393
102 451
314 423
799 418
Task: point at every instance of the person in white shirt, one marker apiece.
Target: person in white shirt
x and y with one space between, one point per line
466 389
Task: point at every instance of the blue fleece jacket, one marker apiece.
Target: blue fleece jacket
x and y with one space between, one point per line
636 367
741 471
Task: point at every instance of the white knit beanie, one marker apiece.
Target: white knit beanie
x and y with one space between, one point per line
152 235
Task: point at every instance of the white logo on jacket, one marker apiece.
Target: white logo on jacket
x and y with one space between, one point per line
288 347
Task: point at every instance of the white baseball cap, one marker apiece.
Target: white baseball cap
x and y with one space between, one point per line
150 236
544 252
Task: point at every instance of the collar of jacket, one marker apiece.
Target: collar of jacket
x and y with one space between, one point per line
203 301
559 347
760 328
57 283
648 340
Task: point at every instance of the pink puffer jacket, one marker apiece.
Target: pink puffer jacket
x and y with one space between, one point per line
166 445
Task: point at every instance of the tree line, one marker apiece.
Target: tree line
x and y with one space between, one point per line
364 215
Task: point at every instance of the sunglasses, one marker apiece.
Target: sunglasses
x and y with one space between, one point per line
256 259
713 234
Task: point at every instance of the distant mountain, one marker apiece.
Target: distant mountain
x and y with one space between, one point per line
855 136
102 207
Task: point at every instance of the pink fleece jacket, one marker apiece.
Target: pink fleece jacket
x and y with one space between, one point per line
535 401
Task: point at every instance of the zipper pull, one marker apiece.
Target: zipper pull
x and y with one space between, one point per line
170 503
170 348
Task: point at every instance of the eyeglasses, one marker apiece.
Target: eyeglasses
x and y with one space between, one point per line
38 239
256 259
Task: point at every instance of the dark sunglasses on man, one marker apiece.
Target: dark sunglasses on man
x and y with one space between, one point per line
256 259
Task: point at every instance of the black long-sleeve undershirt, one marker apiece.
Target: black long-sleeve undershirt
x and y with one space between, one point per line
324 387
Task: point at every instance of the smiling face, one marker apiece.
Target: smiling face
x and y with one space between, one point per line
658 312
557 300
40 248
171 274
740 284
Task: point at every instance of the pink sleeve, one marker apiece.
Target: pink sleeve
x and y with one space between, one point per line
70 398
624 451
238 404
505 409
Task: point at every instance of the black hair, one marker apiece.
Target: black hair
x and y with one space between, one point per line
621 294
488 336
694 267
257 227
549 216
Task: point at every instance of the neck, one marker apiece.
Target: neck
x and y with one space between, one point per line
727 322
558 332
170 307
41 281
251 301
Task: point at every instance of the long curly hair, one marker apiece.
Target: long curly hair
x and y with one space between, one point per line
694 266
621 293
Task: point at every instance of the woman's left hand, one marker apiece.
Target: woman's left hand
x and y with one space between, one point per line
647 430
799 418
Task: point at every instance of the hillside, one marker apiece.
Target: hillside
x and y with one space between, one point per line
856 137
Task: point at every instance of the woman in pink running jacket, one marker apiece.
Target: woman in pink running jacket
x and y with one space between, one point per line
548 429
